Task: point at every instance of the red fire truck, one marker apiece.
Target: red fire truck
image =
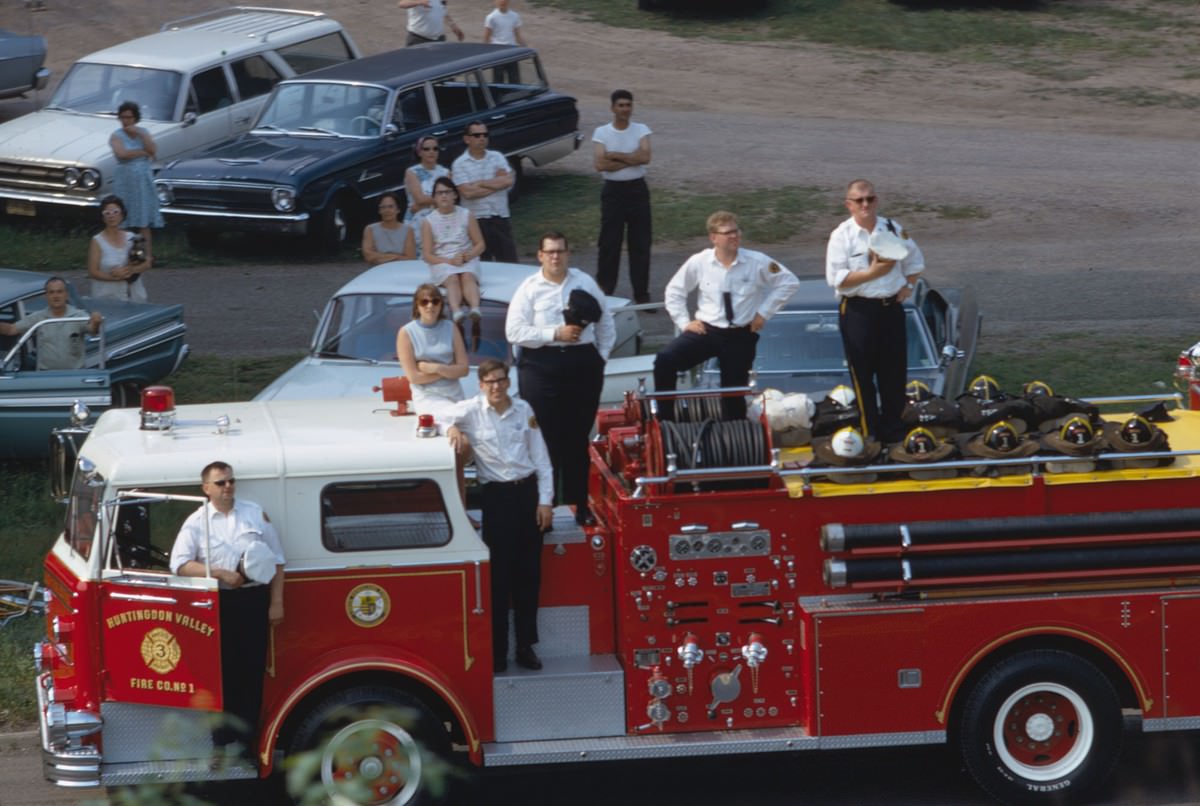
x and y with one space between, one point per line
732 599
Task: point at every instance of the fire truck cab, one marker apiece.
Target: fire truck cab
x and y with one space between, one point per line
731 599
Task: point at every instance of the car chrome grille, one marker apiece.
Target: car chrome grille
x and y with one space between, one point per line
43 177
222 196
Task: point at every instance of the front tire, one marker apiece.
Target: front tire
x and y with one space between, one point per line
373 745
333 227
1043 726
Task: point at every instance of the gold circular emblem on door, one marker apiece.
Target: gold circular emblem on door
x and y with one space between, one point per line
368 605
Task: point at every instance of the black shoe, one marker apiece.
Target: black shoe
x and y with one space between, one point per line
584 517
528 659
500 665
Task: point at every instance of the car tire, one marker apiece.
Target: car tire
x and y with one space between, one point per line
200 239
345 732
333 227
1040 727
518 172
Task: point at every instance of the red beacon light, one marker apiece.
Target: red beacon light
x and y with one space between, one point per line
158 408
426 426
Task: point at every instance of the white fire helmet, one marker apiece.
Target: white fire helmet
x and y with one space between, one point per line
842 395
847 443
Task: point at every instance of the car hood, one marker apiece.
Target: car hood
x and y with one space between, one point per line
251 158
324 378
66 137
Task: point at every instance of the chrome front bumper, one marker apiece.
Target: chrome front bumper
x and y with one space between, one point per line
65 761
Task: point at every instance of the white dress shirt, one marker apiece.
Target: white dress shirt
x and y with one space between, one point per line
228 536
756 283
536 312
849 249
508 446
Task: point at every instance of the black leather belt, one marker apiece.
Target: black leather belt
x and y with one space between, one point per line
512 484
874 302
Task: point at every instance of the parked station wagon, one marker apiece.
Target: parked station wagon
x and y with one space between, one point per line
198 81
21 64
333 140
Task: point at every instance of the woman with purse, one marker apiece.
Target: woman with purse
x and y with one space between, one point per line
116 257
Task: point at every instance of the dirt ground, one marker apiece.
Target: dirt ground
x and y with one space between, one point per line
1086 229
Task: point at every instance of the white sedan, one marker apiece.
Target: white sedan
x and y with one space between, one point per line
354 346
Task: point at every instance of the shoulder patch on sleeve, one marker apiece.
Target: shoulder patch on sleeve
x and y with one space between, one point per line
773 268
533 422
904 234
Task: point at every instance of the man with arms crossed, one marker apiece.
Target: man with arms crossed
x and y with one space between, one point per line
483 180
621 154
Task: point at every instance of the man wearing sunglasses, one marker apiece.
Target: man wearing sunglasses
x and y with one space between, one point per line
872 288
246 558
483 180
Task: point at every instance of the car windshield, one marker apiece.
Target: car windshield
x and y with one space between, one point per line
101 88
809 341
325 108
363 326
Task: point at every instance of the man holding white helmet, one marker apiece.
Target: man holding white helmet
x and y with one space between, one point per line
246 558
873 266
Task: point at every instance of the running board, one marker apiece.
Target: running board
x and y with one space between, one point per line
175 771
659 745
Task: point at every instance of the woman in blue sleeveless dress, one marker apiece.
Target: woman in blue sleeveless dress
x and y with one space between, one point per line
418 184
133 179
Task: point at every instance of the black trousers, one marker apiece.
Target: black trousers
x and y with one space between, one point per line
563 385
624 214
734 347
512 536
411 39
244 635
498 240
874 338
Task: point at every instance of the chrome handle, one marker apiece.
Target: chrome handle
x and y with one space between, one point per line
142 597
207 604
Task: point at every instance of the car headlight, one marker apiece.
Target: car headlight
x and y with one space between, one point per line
89 179
71 177
165 194
284 199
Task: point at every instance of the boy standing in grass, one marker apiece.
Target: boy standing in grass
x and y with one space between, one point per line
503 27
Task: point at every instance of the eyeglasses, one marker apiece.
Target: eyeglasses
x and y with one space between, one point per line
429 148
443 192
861 199
494 381
553 252
477 134
224 482
735 231
430 301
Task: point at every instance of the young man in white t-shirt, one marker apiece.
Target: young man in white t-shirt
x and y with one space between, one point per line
503 27
621 154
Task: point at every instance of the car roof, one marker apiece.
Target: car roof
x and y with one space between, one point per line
187 46
498 280
420 63
815 295
16 283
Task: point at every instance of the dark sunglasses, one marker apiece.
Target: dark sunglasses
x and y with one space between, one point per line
430 301
224 482
477 134
861 200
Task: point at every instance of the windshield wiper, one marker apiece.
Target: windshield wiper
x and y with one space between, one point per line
270 126
319 130
336 354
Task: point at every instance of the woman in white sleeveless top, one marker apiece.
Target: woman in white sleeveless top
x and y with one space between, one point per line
431 352
389 238
113 275
452 243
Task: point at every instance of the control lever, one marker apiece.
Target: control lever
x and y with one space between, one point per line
674 622
775 621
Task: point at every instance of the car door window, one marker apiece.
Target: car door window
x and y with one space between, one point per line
8 315
459 96
209 91
254 77
934 309
313 54
515 81
412 110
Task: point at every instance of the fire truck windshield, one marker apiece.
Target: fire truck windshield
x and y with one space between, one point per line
83 511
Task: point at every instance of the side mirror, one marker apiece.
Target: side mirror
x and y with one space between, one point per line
951 353
391 130
189 118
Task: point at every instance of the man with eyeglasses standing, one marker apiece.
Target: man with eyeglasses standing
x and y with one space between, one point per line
559 319
872 288
738 290
621 152
246 559
518 487
483 180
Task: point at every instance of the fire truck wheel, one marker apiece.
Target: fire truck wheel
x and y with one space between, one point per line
373 745
1043 726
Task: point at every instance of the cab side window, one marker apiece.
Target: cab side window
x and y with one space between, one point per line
209 91
144 529
379 515
515 81
324 51
254 77
8 315
412 110
459 96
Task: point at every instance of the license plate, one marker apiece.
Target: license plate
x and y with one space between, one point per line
13 207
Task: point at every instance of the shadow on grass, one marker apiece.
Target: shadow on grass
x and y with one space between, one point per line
971 5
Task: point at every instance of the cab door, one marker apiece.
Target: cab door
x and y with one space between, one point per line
160 632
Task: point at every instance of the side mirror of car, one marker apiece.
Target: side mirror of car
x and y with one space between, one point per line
950 353
189 118
391 130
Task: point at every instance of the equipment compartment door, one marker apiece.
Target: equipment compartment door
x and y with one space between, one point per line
161 641
1181 656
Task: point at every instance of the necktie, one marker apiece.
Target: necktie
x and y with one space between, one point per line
728 307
